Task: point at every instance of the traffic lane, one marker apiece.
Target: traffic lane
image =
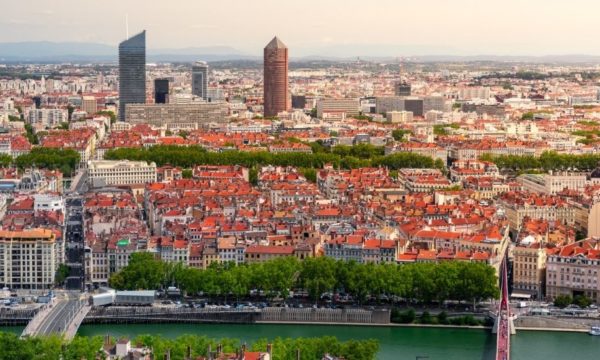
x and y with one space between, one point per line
51 319
58 325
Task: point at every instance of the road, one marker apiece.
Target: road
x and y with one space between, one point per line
63 310
74 242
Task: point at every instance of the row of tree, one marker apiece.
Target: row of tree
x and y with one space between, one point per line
65 160
188 157
548 160
54 347
426 282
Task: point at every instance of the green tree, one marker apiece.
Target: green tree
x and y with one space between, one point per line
318 275
527 116
142 272
310 174
110 114
5 160
30 135
70 110
582 301
398 134
187 173
49 158
61 274
253 176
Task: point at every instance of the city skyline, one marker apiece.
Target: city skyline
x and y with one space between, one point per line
533 28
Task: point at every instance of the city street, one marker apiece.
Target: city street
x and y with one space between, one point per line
74 246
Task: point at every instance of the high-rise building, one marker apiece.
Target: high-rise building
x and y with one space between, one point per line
275 78
402 88
200 79
89 104
161 91
132 72
414 105
298 101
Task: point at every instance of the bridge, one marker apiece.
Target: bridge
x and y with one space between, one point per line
61 316
503 326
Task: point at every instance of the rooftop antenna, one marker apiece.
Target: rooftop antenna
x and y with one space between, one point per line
127 26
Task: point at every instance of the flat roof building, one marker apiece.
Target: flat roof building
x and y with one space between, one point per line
120 172
28 259
177 115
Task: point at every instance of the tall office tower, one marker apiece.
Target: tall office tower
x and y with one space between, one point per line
275 78
402 88
161 91
200 79
132 72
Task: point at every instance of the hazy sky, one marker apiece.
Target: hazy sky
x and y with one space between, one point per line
318 27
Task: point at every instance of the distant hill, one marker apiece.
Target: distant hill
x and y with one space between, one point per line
56 52
46 51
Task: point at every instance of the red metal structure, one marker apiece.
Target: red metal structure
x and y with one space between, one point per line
503 334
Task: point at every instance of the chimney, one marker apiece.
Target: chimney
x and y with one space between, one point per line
297 354
209 352
107 340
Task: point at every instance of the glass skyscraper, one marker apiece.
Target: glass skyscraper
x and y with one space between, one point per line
161 91
200 79
132 72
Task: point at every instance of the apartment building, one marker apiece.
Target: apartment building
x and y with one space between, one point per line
518 205
463 169
553 183
574 270
399 116
47 117
349 107
529 268
177 115
89 105
28 259
120 172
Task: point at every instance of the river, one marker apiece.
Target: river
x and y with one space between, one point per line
396 343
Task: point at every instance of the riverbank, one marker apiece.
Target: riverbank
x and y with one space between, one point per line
556 324
441 326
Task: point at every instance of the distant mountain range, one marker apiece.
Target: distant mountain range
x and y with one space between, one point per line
57 52
45 51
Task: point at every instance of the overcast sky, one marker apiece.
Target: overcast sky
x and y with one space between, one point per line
318 27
